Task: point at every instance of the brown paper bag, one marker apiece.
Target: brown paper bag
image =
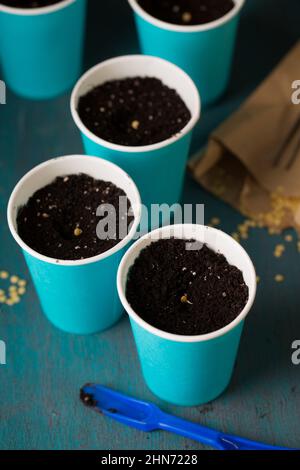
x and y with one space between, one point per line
252 160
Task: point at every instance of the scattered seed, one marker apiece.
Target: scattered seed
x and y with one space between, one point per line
45 215
236 237
186 17
77 232
288 238
279 250
14 279
185 300
135 124
4 275
279 278
215 221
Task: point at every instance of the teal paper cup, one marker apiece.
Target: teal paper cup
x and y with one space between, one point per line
158 169
77 296
188 370
41 48
205 51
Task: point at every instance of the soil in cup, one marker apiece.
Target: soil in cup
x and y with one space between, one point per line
29 3
133 111
187 12
185 291
60 220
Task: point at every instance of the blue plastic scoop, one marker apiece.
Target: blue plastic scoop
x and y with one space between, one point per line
148 417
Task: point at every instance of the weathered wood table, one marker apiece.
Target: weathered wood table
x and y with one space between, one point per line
39 385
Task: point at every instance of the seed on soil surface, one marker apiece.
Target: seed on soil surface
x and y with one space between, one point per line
135 124
186 17
77 232
185 300
279 278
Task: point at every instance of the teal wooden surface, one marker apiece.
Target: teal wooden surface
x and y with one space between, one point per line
39 406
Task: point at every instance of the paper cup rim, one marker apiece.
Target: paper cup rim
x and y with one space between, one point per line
195 115
36 11
175 337
93 259
186 29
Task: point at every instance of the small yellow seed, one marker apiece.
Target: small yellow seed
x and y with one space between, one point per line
9 302
186 17
185 300
2 299
12 288
2 292
135 124
14 279
21 290
22 283
279 278
215 221
4 274
77 232
288 238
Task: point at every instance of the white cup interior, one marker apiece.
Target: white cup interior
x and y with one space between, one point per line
46 173
142 66
216 240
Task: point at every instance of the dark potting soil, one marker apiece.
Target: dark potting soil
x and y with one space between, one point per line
29 3
186 292
59 220
187 12
133 111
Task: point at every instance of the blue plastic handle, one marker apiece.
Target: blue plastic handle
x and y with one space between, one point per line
148 417
208 436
